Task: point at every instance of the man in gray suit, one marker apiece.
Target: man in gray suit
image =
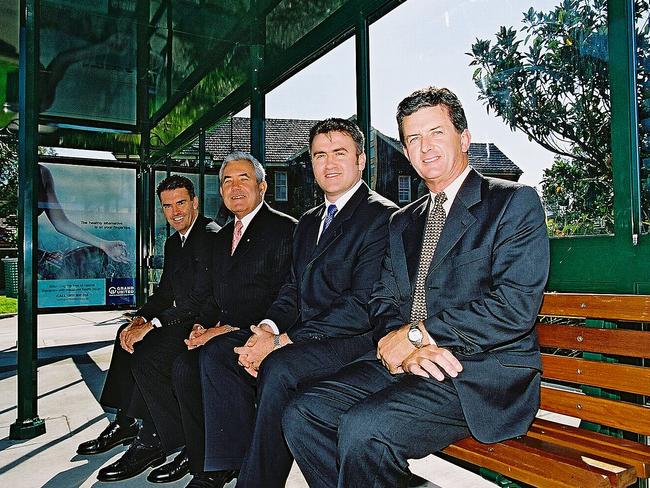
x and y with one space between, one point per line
454 312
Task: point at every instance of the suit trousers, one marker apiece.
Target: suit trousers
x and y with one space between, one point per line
151 366
360 426
187 389
120 390
251 439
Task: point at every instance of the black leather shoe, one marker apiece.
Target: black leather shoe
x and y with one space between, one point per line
213 479
135 460
173 471
113 435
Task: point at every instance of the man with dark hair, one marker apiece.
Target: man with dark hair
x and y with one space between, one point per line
156 332
454 312
318 323
251 260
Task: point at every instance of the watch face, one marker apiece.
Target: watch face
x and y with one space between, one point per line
415 335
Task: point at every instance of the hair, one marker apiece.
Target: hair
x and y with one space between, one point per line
338 125
432 97
174 182
260 173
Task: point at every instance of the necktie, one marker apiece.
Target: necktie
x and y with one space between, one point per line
236 236
182 241
435 223
331 212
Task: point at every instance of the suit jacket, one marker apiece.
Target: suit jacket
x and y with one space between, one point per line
185 282
245 284
330 284
484 289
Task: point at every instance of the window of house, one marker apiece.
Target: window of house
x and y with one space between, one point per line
281 186
404 188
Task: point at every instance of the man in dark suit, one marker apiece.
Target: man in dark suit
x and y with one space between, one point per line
455 307
251 260
157 330
318 323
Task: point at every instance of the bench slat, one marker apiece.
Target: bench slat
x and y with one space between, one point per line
633 308
539 463
618 414
632 343
621 377
621 450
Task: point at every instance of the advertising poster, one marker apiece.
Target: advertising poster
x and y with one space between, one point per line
86 236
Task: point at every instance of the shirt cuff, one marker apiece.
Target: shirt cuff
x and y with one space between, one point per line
271 324
155 322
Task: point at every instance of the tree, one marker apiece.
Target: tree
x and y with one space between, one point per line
8 176
549 79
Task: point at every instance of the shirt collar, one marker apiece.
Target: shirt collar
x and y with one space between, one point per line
343 199
452 189
246 219
186 235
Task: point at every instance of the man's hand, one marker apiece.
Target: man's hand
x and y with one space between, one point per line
258 346
134 332
395 347
432 360
200 335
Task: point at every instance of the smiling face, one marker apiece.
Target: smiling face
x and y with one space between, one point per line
239 188
437 151
336 166
180 210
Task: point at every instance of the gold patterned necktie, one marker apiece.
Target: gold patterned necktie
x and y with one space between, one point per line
432 231
236 236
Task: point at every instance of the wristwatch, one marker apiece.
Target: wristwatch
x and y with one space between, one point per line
415 335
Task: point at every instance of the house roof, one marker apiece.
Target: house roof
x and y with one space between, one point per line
485 157
285 138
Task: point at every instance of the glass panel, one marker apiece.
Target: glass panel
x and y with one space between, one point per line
208 40
289 21
326 88
533 79
212 199
643 97
88 60
159 88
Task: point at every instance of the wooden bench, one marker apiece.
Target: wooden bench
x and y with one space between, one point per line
556 455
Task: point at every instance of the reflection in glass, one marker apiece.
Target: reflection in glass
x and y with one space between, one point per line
87 59
642 17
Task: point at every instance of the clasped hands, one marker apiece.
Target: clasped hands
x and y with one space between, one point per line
257 347
398 355
134 332
200 335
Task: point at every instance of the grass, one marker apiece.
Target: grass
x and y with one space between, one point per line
8 305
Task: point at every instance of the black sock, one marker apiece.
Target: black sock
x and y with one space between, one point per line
123 419
148 435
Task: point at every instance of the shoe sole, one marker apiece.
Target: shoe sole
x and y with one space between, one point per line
151 464
125 442
168 480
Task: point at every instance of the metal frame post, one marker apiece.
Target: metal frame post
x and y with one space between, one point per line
28 424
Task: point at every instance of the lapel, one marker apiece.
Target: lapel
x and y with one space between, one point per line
413 234
335 229
459 218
